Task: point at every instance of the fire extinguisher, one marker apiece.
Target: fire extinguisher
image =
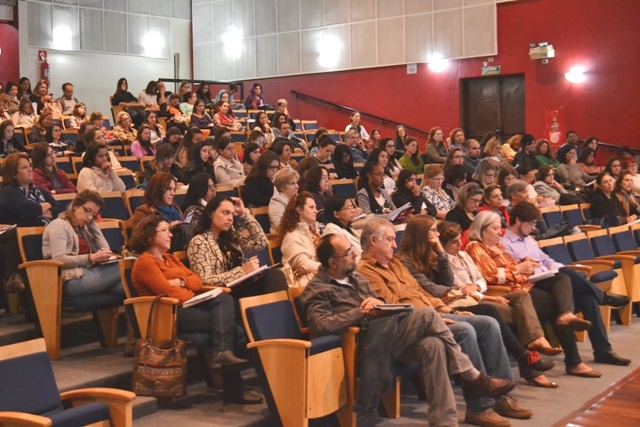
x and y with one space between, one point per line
45 72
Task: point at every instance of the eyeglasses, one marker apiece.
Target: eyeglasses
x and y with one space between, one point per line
475 201
350 251
433 230
89 212
348 208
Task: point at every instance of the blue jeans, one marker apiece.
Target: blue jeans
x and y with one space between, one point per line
98 279
215 317
480 339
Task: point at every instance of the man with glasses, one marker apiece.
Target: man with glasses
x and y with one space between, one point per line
587 297
358 151
338 297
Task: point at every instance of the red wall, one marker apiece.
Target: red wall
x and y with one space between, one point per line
9 59
603 36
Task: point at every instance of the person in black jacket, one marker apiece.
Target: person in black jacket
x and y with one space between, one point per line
408 191
466 207
526 155
258 187
200 162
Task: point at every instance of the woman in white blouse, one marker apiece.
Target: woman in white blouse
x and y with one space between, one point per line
432 190
227 167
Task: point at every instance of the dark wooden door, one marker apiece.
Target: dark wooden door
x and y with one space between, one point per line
493 104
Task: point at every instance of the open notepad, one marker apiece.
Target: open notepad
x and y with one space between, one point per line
394 307
255 274
205 296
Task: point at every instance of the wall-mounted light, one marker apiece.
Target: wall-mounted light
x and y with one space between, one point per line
232 43
576 74
153 43
437 64
329 48
542 50
62 37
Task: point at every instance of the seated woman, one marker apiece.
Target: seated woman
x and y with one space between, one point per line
75 239
201 191
8 144
143 146
172 137
13 103
381 157
547 187
250 156
510 148
455 157
45 173
317 184
454 179
149 96
158 272
40 95
158 199
411 159
486 173
628 201
466 207
493 155
492 201
24 117
97 174
123 98
184 150
263 125
39 130
286 182
340 212
552 298
422 252
526 156
124 131
436 151
631 164
203 93
433 192
282 147
224 119
585 161
542 151
569 170
226 231
614 166
408 191
227 167
300 238
354 123
343 163
200 118
390 147
254 101
200 162
157 131
371 197
188 101
164 162
258 187
53 137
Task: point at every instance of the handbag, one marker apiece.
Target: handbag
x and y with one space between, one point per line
181 234
159 367
563 228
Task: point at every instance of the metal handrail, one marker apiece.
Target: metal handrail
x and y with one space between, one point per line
339 107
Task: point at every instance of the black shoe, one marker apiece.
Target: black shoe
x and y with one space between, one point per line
615 300
612 359
228 361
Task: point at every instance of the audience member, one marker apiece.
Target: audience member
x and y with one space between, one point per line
436 151
408 191
45 173
343 163
97 172
286 183
258 187
201 191
433 192
228 169
411 159
372 198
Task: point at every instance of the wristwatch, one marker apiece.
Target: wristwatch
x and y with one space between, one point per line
182 284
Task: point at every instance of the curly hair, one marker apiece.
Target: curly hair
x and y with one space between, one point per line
291 217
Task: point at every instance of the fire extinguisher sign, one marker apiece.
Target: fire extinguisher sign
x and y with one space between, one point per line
554 123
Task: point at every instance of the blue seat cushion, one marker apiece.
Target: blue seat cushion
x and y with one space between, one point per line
79 415
324 343
603 276
84 303
273 320
28 385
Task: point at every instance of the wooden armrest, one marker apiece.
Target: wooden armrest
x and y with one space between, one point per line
8 418
588 227
280 342
597 262
580 267
41 263
149 299
626 260
99 394
498 290
632 252
206 288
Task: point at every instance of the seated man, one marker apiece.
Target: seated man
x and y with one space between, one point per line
390 279
358 151
519 244
338 297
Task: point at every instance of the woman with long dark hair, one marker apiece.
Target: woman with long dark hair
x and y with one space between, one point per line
200 161
258 187
411 158
436 149
227 231
380 156
317 183
408 191
371 197
343 163
123 98
45 173
158 199
142 146
201 191
340 212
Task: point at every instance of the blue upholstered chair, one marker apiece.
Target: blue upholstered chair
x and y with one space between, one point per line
314 385
29 395
45 284
344 186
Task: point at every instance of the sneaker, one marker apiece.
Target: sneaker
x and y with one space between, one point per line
486 386
486 418
508 407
